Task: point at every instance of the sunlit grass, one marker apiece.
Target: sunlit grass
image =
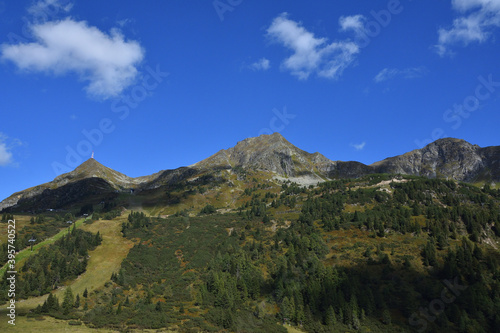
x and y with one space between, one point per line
104 260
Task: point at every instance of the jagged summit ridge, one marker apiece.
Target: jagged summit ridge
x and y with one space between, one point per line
271 153
449 157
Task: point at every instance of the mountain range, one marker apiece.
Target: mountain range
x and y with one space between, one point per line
272 155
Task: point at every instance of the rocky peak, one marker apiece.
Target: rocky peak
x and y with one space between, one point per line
448 157
86 169
272 153
92 168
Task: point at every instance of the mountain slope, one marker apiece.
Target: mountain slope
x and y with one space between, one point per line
444 158
91 168
447 158
389 244
89 178
273 153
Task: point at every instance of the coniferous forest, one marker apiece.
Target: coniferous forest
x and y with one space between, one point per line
415 255
65 260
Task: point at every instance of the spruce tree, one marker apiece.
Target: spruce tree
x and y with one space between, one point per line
77 301
330 318
68 301
119 309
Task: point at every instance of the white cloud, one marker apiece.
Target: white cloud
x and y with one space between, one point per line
5 153
263 64
45 8
475 24
355 23
311 54
358 146
464 5
106 62
407 73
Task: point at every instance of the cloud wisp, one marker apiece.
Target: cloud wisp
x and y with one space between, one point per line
310 53
6 145
358 146
5 154
261 65
475 23
407 73
43 8
106 61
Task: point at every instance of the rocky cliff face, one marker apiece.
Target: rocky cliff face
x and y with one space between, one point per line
271 153
491 161
446 158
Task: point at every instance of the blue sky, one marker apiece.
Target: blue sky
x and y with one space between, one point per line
162 84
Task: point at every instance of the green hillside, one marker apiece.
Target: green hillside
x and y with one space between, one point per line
248 254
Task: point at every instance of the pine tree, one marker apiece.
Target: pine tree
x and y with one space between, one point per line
68 301
52 303
98 239
341 315
429 253
299 314
77 301
45 306
330 318
287 310
41 283
120 278
356 323
386 317
85 293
